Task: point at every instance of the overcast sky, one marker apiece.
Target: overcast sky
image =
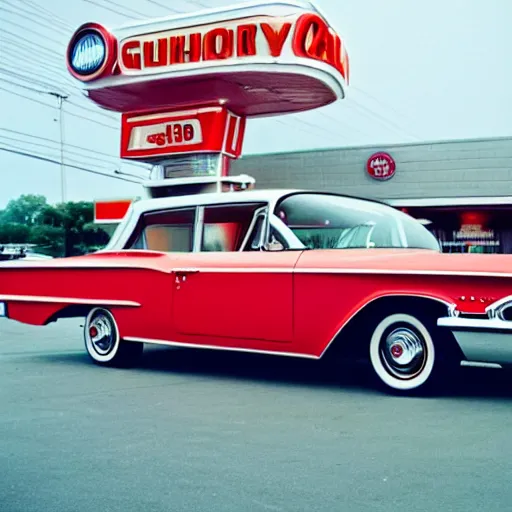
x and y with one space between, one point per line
420 70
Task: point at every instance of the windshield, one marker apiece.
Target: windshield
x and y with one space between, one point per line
328 221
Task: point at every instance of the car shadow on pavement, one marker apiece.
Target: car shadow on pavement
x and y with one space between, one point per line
466 382
244 366
287 371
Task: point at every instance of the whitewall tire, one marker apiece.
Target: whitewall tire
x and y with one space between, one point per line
103 342
402 353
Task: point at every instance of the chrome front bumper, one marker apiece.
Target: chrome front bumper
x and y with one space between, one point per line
487 340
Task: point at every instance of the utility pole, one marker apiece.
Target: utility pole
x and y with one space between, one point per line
60 100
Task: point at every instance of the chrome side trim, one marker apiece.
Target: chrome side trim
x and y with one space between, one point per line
495 309
488 341
241 270
475 324
394 295
350 271
399 272
214 347
69 300
46 265
479 364
329 270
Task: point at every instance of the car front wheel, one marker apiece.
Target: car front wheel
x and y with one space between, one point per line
403 353
103 342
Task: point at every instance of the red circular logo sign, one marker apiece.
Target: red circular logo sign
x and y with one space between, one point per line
381 166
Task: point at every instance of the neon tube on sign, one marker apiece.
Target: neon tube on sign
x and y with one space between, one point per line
307 36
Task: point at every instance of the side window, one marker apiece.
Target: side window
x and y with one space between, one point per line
168 231
226 227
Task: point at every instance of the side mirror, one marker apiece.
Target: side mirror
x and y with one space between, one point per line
273 245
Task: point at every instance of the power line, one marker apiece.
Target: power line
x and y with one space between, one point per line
24 16
66 145
35 46
51 106
42 9
383 120
52 19
93 121
28 88
165 7
46 38
44 159
26 97
312 125
14 59
96 111
112 10
111 2
27 79
38 152
56 142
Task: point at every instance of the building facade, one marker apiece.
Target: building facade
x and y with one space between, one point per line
461 190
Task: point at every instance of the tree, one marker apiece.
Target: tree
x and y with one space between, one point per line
25 210
75 216
93 238
51 216
13 233
49 239
64 230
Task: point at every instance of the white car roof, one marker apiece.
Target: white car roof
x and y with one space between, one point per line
247 196
265 195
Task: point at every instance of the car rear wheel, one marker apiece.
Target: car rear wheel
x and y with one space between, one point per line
405 354
103 342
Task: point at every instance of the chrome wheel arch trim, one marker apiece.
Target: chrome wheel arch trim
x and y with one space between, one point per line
450 307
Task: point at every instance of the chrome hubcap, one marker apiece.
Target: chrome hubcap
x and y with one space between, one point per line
102 335
403 352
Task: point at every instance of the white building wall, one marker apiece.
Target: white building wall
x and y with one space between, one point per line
469 168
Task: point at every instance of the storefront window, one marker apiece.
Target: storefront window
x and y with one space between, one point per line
461 231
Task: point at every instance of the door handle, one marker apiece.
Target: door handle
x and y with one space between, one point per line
181 274
185 271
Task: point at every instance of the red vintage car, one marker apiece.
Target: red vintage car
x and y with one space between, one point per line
290 273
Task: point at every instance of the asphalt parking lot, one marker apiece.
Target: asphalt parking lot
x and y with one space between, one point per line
199 431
